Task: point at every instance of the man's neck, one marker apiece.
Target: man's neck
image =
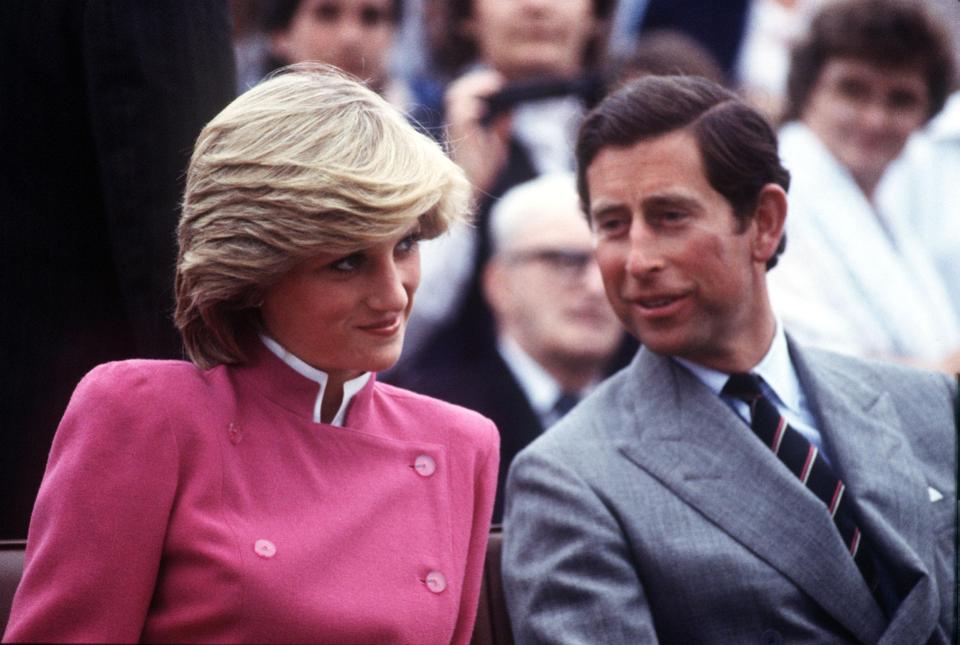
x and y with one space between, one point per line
743 352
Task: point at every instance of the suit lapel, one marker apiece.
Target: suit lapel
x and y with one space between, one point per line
862 432
699 448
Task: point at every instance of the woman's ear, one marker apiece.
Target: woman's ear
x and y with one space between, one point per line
769 220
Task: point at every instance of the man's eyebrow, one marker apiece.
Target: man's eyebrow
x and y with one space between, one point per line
602 207
669 201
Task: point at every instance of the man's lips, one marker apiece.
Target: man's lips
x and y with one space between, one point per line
658 304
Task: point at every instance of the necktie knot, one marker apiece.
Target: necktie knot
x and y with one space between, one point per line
745 387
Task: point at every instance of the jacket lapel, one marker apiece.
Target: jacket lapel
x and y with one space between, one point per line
697 446
862 429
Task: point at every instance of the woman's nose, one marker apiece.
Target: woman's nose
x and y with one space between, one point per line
392 287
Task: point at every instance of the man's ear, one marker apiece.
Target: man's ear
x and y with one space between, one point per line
494 283
769 220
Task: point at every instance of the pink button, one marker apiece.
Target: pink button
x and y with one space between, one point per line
234 432
265 548
425 465
436 582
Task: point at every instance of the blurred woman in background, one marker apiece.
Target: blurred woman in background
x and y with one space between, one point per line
857 277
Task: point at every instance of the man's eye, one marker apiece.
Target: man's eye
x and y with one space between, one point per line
569 260
672 216
373 16
327 12
610 225
349 263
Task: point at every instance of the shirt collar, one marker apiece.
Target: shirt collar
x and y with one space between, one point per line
775 368
350 388
539 387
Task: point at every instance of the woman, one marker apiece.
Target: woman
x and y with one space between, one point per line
858 276
273 490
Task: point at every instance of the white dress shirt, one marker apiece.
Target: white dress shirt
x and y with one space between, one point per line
780 385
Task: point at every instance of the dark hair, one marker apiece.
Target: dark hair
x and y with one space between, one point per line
275 15
736 143
451 49
885 33
665 52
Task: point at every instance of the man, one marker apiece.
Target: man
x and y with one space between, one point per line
654 511
556 333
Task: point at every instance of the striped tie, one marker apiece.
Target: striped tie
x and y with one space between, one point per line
804 461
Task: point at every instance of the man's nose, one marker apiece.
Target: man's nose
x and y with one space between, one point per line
645 254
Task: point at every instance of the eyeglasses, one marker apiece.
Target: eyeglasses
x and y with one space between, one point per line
369 15
569 263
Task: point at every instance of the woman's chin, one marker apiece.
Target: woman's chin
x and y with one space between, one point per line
383 359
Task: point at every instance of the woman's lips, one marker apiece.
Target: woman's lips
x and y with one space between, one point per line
387 327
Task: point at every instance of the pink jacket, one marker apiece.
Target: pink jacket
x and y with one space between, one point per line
181 505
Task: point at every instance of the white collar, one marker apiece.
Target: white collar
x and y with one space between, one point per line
775 368
540 388
350 388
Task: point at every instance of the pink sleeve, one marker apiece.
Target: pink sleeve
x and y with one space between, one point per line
97 530
485 487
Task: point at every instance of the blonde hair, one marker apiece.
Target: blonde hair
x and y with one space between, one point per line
308 161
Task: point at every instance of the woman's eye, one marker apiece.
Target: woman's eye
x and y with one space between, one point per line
408 243
349 263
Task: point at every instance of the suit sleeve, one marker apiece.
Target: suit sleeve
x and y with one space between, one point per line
484 484
569 574
97 530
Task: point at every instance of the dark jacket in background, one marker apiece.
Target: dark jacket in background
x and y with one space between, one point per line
100 104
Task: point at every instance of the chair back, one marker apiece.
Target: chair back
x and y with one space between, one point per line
11 569
493 622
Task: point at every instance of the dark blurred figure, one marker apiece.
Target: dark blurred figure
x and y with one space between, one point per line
354 35
101 103
665 52
717 26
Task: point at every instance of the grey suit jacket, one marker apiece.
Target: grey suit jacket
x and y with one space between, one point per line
653 513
